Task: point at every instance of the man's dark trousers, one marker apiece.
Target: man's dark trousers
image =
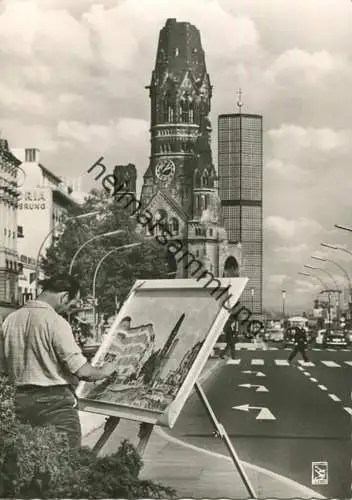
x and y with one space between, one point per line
56 405
296 350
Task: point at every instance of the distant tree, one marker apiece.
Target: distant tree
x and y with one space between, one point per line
120 269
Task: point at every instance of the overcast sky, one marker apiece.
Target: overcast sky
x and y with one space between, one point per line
72 84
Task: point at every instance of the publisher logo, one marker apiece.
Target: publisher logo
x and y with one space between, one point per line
319 473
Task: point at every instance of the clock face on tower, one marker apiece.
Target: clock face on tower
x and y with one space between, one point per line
165 169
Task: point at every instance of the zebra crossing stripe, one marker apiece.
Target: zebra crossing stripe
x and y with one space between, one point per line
281 362
233 361
334 398
331 364
323 387
349 410
313 379
257 362
303 363
349 363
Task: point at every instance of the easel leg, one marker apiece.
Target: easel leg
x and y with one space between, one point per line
144 434
223 434
110 425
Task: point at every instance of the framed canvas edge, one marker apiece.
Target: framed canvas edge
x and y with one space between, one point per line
184 283
114 410
171 413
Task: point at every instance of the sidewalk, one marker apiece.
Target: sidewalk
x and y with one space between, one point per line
192 471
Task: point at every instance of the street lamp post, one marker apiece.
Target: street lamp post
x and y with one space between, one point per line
316 277
52 230
338 247
328 274
345 228
123 247
283 294
324 271
342 269
93 238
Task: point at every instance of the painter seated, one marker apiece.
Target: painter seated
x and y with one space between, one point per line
40 356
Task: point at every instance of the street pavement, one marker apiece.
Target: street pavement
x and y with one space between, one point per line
280 417
192 470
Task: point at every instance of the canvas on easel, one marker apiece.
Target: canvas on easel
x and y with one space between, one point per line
160 340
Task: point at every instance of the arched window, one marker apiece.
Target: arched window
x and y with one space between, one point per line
175 227
184 110
205 179
191 113
206 201
197 179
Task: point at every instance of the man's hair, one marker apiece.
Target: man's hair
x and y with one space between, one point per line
64 283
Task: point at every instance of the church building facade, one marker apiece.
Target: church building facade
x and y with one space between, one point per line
180 187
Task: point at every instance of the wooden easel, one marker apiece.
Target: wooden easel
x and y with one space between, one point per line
146 430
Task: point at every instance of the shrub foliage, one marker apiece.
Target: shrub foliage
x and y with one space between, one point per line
38 463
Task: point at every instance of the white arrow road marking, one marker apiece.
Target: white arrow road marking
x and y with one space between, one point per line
331 364
334 398
233 361
349 363
257 374
257 361
313 379
260 388
323 387
349 410
281 362
264 414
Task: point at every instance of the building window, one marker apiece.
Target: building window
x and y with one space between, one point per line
20 232
197 253
174 226
210 232
30 155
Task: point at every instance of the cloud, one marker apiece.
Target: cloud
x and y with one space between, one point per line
306 68
290 229
292 254
73 84
276 280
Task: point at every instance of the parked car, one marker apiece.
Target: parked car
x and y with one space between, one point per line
335 339
349 335
289 337
319 339
274 335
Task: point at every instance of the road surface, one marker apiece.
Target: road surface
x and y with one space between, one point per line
304 415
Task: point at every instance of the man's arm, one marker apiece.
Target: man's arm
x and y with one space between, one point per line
71 355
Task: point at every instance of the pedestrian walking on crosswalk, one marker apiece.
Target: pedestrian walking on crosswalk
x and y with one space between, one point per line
231 337
300 345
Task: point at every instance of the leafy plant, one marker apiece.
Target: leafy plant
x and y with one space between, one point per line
36 462
120 269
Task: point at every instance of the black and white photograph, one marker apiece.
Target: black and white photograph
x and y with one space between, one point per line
175 249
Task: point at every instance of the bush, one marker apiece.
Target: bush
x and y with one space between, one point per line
38 463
